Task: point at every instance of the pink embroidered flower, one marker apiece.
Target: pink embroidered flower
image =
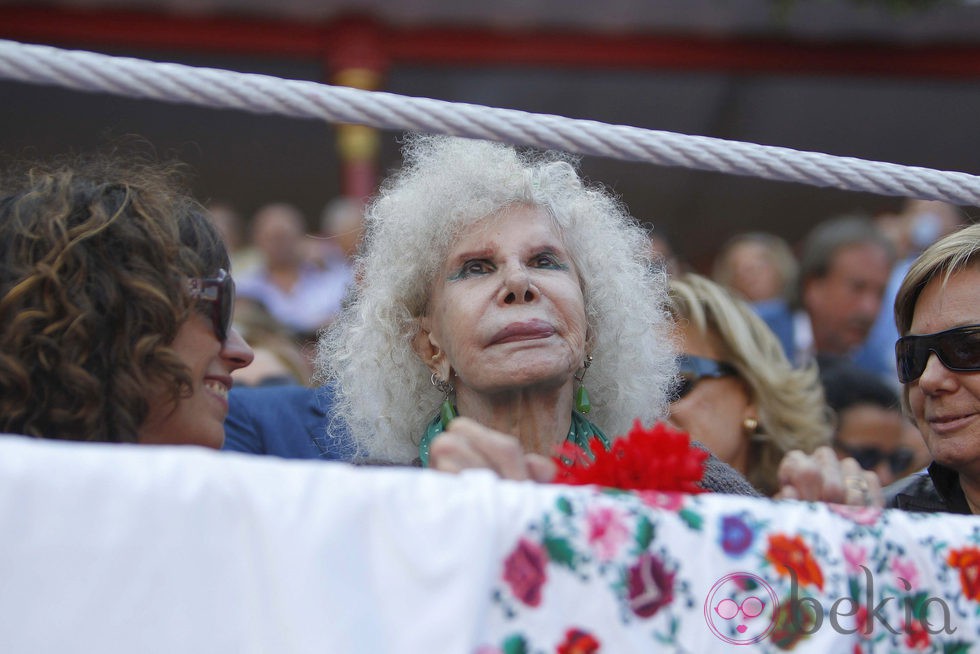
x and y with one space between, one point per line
662 500
862 515
906 574
855 556
650 586
607 532
524 571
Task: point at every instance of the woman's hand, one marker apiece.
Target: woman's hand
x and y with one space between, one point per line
466 444
823 477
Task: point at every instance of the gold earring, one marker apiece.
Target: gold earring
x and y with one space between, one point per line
750 426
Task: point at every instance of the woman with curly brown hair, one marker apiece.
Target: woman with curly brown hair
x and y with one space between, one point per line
115 307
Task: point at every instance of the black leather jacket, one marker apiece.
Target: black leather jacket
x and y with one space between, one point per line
933 490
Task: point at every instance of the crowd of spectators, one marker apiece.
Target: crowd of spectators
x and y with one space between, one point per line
783 318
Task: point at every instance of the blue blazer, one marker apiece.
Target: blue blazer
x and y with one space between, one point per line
286 420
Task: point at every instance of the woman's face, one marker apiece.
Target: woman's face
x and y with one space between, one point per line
753 273
506 311
198 419
715 409
945 404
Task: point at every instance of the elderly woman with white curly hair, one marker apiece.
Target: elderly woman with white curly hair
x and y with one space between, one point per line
498 287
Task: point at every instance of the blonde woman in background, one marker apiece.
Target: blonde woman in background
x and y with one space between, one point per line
739 395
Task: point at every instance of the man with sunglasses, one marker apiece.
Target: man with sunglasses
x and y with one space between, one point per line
937 311
869 425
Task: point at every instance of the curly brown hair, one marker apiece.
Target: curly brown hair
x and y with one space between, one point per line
94 258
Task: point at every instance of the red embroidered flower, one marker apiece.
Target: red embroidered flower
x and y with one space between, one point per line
862 627
650 586
793 621
916 635
967 559
659 458
792 556
578 642
524 571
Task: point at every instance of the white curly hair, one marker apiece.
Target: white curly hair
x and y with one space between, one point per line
383 395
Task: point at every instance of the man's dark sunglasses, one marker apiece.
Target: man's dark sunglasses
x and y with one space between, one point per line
694 368
958 349
869 457
219 294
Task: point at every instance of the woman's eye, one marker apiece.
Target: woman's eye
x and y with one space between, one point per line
547 261
475 267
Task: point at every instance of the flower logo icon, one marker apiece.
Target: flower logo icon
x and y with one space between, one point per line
741 608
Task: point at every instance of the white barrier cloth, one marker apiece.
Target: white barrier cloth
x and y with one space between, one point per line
109 548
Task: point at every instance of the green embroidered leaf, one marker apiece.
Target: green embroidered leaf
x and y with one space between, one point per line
560 552
693 520
644 533
854 588
919 605
514 645
564 505
958 647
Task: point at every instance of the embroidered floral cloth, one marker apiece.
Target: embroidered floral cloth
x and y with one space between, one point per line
139 549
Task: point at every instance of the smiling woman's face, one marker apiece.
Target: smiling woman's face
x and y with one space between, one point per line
506 310
198 419
945 404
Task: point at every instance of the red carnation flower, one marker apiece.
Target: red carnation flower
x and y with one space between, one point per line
659 458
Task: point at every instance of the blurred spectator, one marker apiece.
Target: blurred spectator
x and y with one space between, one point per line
244 257
760 268
300 295
341 227
870 425
278 358
844 269
663 252
757 266
343 222
919 225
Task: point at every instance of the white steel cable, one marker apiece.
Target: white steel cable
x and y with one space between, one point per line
209 87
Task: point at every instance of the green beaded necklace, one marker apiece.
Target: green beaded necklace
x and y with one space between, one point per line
580 433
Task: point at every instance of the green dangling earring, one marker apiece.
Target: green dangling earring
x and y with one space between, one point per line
582 403
446 410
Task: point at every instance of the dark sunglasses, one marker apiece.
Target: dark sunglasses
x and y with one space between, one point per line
219 294
869 457
958 349
694 368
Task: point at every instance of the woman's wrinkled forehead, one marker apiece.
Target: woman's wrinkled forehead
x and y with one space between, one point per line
480 231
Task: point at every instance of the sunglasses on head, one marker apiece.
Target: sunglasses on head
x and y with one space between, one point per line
869 457
957 349
219 294
694 368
